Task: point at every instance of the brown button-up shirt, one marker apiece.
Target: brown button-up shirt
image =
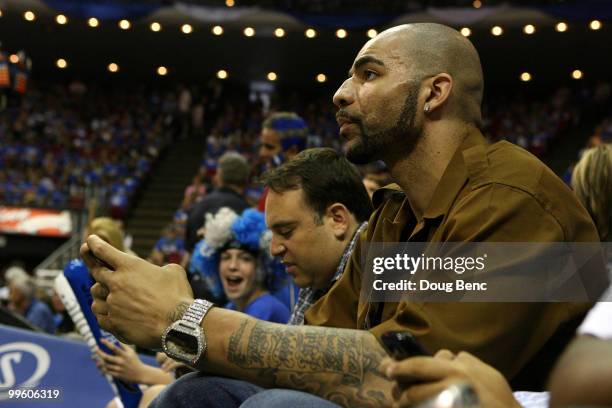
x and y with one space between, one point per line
494 193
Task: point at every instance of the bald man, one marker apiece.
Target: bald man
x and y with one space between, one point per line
413 100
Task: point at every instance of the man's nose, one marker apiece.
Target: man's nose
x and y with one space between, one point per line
276 247
344 96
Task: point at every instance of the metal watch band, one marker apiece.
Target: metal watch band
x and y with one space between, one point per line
197 310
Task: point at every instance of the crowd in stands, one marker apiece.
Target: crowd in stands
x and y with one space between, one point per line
60 143
532 124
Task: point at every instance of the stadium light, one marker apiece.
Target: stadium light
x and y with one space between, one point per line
230 3
217 30
497 31
372 33
155 27
272 76
249 31
61 19
93 22
529 29
311 33
124 24
162 71
14 58
577 74
61 63
186 29
341 33
466 32
222 74
526 77
112 67
29 15
595 25
321 78
279 32
561 27
477 4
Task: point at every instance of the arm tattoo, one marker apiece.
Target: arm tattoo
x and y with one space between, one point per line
178 312
332 363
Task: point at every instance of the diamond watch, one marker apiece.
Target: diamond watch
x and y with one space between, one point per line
184 339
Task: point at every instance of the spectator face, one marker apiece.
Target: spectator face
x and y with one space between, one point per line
237 269
270 144
306 242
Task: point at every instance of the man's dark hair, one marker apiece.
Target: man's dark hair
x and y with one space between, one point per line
234 169
326 177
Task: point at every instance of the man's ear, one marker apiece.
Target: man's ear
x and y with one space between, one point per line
339 218
440 88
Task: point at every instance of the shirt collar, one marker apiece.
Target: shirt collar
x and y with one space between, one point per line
449 186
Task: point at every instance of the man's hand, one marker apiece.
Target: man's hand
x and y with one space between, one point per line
167 364
134 299
123 364
420 378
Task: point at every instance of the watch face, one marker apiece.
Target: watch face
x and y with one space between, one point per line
184 342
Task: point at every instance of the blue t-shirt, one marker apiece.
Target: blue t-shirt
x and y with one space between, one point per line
40 315
266 307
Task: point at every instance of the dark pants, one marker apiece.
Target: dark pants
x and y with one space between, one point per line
200 391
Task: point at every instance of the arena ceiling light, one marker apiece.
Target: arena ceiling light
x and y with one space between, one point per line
321 78
124 24
112 67
529 29
186 28
466 32
249 31
14 58
230 3
497 31
1 13
162 71
595 25
222 74
526 77
477 4
310 33
372 33
61 19
577 74
217 30
61 63
279 32
93 22
272 76
155 27
341 33
561 27
29 15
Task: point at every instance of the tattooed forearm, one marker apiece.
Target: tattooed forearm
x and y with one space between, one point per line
178 312
333 363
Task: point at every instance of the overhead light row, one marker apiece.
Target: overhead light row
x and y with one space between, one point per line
155 26
113 67
530 29
273 76
309 33
575 74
